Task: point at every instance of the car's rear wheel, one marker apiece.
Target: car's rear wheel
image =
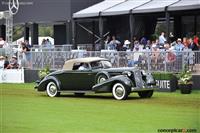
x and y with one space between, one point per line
145 94
101 78
119 91
52 89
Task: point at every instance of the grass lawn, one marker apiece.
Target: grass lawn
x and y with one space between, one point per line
23 110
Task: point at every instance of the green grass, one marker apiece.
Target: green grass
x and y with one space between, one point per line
23 110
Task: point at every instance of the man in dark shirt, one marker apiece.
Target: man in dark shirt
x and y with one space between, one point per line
192 45
6 62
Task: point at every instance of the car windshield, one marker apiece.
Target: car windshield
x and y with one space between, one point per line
100 64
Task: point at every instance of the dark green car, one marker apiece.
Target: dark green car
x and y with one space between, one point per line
94 74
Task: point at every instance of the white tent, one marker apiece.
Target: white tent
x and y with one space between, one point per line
185 5
93 11
119 7
154 6
125 7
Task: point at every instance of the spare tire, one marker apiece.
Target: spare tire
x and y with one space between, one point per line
101 77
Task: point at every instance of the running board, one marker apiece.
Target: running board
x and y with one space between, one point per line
72 91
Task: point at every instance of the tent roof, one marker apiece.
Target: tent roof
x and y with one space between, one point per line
93 11
119 7
185 5
154 6
125 7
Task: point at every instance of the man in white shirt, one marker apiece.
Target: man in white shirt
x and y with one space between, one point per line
162 39
83 66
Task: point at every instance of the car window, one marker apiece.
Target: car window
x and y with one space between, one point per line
96 65
76 66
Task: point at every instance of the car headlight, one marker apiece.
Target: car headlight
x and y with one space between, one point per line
144 72
128 73
149 78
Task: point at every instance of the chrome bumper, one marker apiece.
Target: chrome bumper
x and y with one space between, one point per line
144 88
37 84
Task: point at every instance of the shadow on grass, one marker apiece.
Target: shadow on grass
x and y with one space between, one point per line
103 97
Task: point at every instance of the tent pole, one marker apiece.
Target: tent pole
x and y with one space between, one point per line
101 26
167 19
131 26
131 21
74 33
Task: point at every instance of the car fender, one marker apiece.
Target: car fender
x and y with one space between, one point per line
42 85
106 86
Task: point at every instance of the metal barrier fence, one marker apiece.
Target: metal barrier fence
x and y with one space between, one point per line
67 47
151 61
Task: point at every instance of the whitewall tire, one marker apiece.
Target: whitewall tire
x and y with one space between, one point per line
119 91
52 90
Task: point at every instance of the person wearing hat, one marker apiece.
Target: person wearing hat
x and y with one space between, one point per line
1 62
13 63
126 45
179 46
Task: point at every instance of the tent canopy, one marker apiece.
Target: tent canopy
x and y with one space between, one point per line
93 11
154 6
125 7
119 7
185 5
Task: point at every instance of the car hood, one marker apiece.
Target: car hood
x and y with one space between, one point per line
121 69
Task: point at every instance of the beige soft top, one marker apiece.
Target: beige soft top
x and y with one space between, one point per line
69 63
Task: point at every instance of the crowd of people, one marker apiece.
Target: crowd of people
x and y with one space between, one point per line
111 43
171 47
21 55
13 63
46 43
5 63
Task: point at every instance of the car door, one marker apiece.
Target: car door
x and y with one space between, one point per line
78 80
82 80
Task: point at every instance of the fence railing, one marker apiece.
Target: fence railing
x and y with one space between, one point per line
147 60
41 48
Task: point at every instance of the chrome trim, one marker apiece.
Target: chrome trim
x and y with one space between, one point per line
145 88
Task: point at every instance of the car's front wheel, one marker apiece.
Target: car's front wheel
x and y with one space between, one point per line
52 89
145 94
119 91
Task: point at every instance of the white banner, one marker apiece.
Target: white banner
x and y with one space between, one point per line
11 75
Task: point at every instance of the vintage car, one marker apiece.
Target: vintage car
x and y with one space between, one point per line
94 74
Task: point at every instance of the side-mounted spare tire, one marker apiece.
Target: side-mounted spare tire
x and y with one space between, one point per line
52 89
101 77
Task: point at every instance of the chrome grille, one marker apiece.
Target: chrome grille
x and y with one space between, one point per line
138 79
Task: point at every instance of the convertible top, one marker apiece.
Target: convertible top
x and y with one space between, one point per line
69 63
